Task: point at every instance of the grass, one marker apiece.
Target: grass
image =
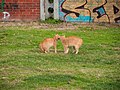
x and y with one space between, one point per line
24 67
51 21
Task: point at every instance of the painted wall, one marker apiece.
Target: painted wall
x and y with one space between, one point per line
69 10
90 10
19 9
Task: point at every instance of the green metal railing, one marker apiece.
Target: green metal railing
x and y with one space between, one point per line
2 6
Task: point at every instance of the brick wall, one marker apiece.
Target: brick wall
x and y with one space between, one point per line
20 9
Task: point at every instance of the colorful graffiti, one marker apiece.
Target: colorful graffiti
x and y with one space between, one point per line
72 13
90 10
101 11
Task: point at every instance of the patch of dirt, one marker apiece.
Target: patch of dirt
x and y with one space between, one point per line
60 26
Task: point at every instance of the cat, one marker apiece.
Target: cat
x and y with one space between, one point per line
49 42
74 41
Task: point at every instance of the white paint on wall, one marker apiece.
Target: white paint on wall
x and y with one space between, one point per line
56 9
6 16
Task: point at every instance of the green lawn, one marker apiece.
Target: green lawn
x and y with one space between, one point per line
24 67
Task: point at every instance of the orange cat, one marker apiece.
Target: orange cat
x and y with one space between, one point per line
49 42
71 41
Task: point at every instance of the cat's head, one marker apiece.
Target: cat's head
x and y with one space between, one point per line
57 37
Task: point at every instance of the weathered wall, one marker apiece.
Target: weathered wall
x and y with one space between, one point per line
69 10
20 9
90 10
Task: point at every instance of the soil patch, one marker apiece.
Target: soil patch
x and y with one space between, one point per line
59 26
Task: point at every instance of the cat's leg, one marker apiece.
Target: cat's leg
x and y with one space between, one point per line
55 50
77 49
43 50
74 50
66 49
55 47
46 49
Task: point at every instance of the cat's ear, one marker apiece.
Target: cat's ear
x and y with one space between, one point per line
56 35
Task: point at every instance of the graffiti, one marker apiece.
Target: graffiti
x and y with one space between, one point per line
6 16
69 10
72 14
83 7
90 10
115 9
117 20
66 12
101 11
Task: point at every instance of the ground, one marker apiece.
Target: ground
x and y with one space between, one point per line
24 67
60 26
